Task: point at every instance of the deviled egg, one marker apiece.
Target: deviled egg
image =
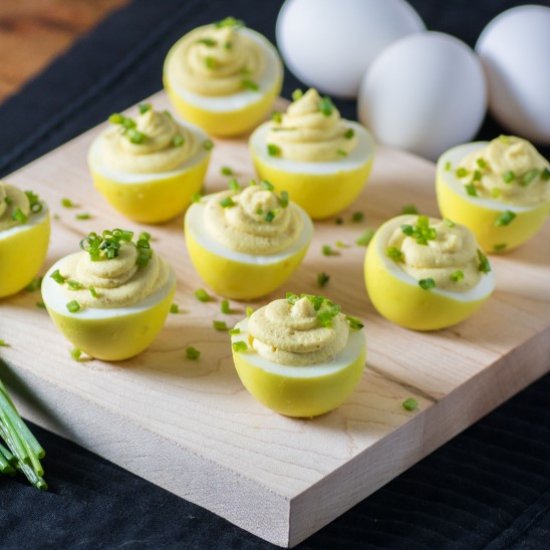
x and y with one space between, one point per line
149 167
426 274
223 77
322 160
499 189
245 243
24 237
299 356
110 299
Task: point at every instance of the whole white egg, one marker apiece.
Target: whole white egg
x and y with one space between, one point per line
424 93
515 51
328 44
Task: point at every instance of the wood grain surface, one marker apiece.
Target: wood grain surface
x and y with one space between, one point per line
190 427
33 32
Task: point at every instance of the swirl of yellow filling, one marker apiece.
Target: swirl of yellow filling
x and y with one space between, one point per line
291 334
152 142
12 200
311 130
254 221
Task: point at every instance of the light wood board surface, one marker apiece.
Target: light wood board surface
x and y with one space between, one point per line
190 427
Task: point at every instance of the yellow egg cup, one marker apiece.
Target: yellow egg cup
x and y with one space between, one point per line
226 116
479 214
304 391
109 334
322 189
398 297
237 275
23 250
150 198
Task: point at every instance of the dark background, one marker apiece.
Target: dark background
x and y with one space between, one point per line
487 488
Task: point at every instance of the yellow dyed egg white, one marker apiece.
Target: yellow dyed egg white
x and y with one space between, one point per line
322 189
398 297
480 214
23 249
300 391
234 114
110 334
239 275
155 197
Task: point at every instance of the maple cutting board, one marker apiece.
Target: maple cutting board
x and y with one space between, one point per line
190 427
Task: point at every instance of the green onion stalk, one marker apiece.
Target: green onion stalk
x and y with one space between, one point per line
19 449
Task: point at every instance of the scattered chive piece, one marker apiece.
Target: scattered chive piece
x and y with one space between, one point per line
226 307
449 223
41 304
196 197
57 277
448 166
249 311
283 199
365 238
35 284
357 217
323 279
409 209
239 347
277 117
270 216
135 136
504 139
210 62
410 404
484 266
207 144
528 177
19 216
229 22
73 306
426 284
227 202
273 150
4 344
67 203
202 296
83 216
339 221
461 172
94 292
228 45
477 175
496 192
226 171
234 331
505 218
395 254
457 275
509 176
144 107
234 185
178 140
34 202
220 325
74 285
297 94
326 106
545 175
499 247
421 232
325 308
116 118
192 353
350 132
174 308
208 42
249 84
354 323
342 153
342 244
471 189
329 251
76 354
268 186
481 162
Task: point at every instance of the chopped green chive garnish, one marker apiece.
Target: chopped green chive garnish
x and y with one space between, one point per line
277 117
477 175
484 266
283 199
365 238
4 344
448 166
426 284
136 137
227 202
35 284
192 353
73 306
41 304
228 45
270 216
297 94
94 293
178 140
528 177
220 325
208 42
545 175
496 193
505 218
207 144
342 153
249 84
273 150
504 139
210 62
409 209
57 277
229 22
509 176
249 311
323 279
234 331
83 216
449 223
202 296
325 308
239 347
342 244
76 354
326 106
327 250
471 189
481 162
226 171
74 285
35 204
499 247
144 107
268 186
234 185
19 216
116 118
410 404
354 323
395 254
105 246
461 172
67 203
350 132
226 307
357 217
457 275
421 232
196 197
174 308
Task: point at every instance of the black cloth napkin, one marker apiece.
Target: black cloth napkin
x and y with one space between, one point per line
487 488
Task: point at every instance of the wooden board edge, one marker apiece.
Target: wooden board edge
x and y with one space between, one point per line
433 427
